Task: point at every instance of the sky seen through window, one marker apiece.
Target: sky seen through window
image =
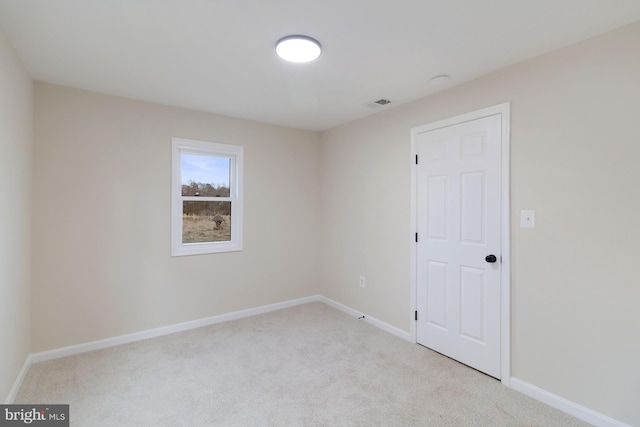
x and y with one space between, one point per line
205 169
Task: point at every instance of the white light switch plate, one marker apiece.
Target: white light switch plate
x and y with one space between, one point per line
527 219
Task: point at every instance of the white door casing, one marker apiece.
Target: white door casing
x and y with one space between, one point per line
460 214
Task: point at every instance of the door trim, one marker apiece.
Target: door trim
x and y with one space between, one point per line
505 277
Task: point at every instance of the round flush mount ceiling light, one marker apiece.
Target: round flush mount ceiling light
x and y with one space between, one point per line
298 48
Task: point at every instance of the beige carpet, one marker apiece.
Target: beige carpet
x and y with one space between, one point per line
304 366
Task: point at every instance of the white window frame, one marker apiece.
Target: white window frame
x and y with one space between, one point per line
235 153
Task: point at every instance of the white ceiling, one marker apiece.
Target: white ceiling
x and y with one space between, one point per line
218 55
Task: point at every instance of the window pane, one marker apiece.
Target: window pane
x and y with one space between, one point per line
206 176
206 222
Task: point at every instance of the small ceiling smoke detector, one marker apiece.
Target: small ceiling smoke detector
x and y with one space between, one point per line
439 80
382 102
298 48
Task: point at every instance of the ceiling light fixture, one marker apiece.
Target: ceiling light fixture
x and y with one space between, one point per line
298 48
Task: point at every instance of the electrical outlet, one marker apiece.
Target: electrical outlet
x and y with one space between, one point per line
362 281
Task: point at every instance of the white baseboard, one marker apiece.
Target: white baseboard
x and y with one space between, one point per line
165 330
185 326
530 390
564 405
16 386
368 319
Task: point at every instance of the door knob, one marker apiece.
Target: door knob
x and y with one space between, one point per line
490 258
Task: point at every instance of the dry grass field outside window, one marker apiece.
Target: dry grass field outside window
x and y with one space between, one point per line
203 228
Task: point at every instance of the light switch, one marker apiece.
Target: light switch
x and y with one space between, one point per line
527 219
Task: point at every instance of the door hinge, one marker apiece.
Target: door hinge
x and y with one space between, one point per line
416 237
416 159
416 315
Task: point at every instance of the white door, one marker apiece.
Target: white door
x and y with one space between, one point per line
458 202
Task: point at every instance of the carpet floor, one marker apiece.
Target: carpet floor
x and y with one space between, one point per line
309 365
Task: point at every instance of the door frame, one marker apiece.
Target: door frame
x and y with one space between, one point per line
505 209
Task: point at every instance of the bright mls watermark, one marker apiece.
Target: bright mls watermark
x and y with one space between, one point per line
36 415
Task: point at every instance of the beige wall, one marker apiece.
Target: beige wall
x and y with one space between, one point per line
16 147
102 264
575 155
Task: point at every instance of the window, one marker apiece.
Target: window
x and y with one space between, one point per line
206 197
